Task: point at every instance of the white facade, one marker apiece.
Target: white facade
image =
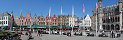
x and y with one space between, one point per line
4 21
81 23
72 21
86 22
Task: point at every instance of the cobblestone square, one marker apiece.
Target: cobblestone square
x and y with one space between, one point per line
64 37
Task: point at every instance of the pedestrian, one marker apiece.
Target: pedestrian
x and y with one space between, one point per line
29 32
26 33
39 32
112 34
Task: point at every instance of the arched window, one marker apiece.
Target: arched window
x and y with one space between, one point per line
117 27
115 19
118 19
103 27
112 27
108 27
111 19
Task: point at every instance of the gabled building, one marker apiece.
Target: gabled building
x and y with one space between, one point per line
21 20
35 20
109 18
48 20
41 21
63 20
54 20
6 21
72 20
28 19
86 22
24 21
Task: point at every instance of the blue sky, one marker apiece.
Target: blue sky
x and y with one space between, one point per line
41 7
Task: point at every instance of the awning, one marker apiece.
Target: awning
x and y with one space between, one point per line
65 26
37 27
52 27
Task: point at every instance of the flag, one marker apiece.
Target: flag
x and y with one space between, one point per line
83 8
96 6
49 12
72 16
12 17
61 10
72 11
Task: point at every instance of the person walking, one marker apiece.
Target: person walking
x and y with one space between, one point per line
29 32
39 32
112 34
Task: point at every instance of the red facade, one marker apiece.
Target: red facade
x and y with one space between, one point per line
53 20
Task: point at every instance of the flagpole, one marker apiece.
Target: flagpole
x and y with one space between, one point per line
61 22
83 14
83 10
96 23
96 17
49 19
72 18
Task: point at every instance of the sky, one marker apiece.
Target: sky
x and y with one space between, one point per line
41 7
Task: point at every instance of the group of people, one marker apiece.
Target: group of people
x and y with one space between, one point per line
113 34
39 32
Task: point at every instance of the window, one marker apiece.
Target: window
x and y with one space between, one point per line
22 20
29 20
6 18
118 19
26 19
6 22
3 18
